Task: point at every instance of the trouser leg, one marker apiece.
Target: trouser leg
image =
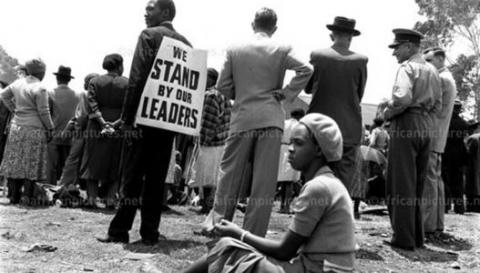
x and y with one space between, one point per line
157 150
408 159
133 167
345 169
264 181
52 162
72 164
92 191
235 158
430 194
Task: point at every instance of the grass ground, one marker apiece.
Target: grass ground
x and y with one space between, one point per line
73 231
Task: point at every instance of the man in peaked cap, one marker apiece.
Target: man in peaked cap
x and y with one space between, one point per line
63 102
416 99
434 192
337 86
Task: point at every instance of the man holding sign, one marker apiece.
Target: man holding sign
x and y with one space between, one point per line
147 153
252 76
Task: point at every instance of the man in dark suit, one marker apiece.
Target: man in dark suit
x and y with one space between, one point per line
147 151
337 86
454 160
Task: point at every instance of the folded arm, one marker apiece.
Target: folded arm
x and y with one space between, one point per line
402 93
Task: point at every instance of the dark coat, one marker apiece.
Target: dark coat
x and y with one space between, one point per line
101 157
455 150
143 58
337 85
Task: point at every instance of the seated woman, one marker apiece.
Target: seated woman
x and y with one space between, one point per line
321 235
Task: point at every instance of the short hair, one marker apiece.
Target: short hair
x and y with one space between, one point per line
112 61
212 73
35 67
168 5
265 18
437 52
378 121
297 113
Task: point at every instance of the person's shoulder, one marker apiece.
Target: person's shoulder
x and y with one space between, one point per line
359 57
322 185
322 52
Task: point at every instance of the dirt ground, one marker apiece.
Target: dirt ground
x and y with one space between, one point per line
69 236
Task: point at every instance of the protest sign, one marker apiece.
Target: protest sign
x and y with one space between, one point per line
173 95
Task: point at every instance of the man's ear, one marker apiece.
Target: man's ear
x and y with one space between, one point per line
273 30
165 13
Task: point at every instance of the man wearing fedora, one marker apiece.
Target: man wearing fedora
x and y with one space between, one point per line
415 101
63 102
337 86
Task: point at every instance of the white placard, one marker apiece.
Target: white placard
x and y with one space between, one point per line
174 92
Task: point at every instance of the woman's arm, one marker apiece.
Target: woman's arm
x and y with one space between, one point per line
6 95
93 105
43 109
285 249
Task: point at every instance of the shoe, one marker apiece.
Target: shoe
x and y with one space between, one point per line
149 242
395 245
111 239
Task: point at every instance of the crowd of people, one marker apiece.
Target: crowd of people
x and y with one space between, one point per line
419 147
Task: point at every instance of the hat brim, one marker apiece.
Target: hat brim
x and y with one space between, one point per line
58 74
354 32
394 45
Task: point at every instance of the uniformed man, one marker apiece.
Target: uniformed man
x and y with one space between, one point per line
416 98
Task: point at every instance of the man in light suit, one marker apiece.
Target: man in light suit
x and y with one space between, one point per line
433 193
252 76
337 86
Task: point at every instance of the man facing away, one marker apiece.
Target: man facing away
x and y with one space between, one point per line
337 86
434 192
416 100
63 101
148 149
253 75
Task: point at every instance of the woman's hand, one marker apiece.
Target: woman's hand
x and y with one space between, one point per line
226 228
117 124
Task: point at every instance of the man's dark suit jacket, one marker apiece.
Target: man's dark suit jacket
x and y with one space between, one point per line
337 85
145 53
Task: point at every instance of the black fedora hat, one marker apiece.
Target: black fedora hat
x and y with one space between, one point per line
64 71
344 24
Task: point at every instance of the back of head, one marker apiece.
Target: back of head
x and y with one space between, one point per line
88 79
112 62
212 77
167 5
265 19
297 113
36 68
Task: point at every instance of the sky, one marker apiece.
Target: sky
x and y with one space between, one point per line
80 33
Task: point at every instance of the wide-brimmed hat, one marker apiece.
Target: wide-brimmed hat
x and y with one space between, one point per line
344 24
403 35
64 71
